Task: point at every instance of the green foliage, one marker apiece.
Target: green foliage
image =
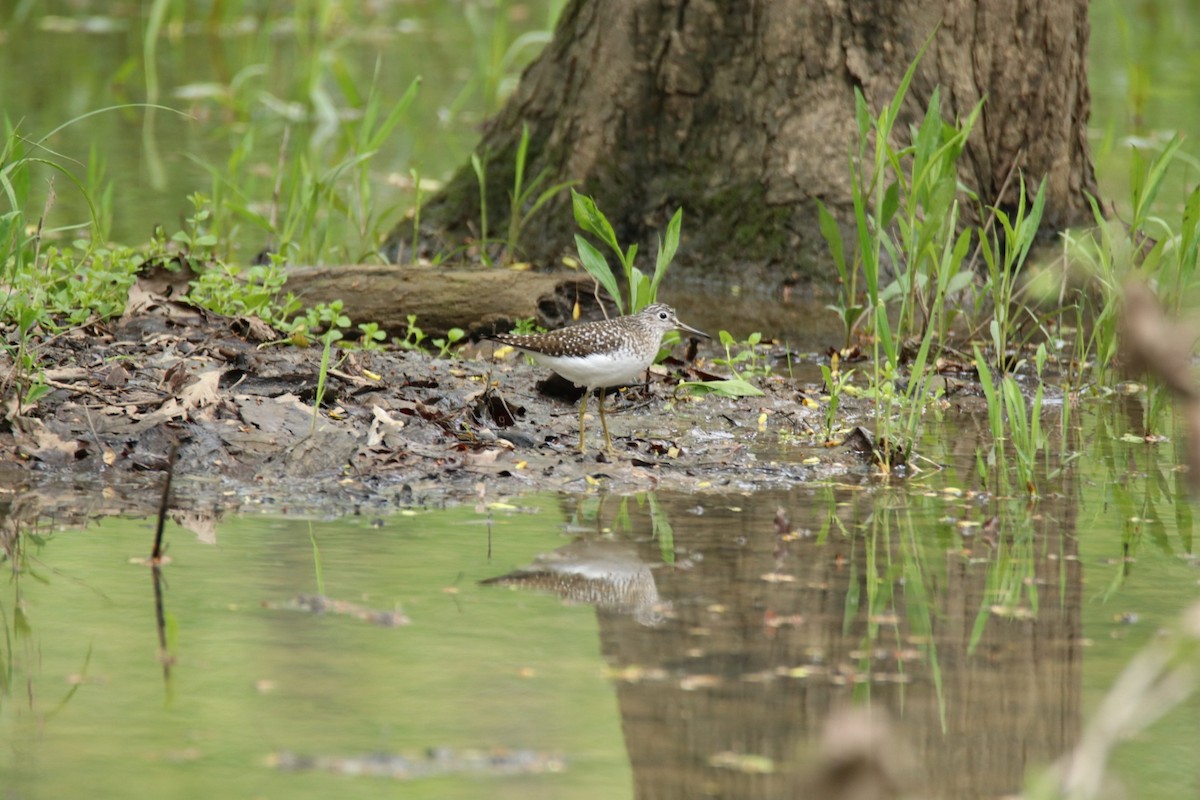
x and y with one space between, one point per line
642 289
522 196
413 336
737 386
453 336
1014 421
372 336
325 317
323 202
747 356
526 325
836 381
1160 252
479 166
225 288
498 56
1005 257
905 215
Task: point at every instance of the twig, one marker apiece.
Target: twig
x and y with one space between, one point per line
163 504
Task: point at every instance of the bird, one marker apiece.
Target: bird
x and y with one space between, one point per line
608 574
602 354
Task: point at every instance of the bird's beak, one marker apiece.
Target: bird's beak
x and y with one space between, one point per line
680 326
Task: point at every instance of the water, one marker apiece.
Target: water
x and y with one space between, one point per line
706 663
669 646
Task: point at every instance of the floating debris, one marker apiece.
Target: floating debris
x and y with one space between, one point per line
319 604
435 762
742 762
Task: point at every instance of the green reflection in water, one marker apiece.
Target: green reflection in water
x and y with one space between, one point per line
981 623
475 669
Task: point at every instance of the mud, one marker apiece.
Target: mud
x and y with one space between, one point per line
396 428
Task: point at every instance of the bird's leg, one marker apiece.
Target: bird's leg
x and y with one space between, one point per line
582 409
604 423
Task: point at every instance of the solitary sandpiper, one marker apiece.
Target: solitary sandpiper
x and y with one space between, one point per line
597 355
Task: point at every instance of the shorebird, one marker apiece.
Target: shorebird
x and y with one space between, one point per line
597 355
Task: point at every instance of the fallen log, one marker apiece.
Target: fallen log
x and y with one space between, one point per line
478 300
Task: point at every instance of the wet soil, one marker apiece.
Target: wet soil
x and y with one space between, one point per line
396 428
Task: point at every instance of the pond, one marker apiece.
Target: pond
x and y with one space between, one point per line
662 644
653 645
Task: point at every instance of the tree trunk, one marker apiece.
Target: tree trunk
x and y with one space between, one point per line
744 115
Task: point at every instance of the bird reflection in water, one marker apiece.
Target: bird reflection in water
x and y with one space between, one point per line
608 575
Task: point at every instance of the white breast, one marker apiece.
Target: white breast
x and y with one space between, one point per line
595 371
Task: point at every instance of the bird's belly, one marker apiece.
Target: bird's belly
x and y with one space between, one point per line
594 371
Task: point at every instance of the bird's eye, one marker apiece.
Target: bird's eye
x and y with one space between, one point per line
663 316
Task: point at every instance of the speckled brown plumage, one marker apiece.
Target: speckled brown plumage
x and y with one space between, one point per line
606 353
597 355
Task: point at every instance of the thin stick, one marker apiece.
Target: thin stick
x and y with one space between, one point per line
163 504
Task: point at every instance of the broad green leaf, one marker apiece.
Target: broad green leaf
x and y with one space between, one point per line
733 387
597 266
639 290
592 220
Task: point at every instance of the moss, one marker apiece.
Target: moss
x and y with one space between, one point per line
740 218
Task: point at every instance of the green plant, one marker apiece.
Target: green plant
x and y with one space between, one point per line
372 337
747 356
912 217
413 336
242 292
836 381
327 339
479 165
737 386
526 325
323 201
364 139
925 253
416 225
521 195
1014 420
643 290
333 321
325 317
1151 249
49 287
453 336
498 56
1005 257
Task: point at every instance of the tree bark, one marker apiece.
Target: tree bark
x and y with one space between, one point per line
743 114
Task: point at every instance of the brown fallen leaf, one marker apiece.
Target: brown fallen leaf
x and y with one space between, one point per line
202 392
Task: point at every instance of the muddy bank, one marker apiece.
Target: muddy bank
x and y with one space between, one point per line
396 428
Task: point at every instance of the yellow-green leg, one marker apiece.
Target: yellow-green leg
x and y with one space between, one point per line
604 423
582 409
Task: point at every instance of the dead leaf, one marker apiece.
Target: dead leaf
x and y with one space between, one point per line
50 448
382 424
202 392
